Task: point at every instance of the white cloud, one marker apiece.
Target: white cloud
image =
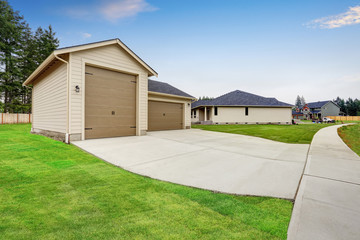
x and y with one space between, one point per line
111 10
86 35
350 79
115 10
351 17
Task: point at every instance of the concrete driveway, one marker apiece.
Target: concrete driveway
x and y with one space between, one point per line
215 161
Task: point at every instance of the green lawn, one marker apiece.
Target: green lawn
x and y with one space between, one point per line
50 190
302 133
351 136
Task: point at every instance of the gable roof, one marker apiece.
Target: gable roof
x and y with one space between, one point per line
161 87
240 98
54 56
319 104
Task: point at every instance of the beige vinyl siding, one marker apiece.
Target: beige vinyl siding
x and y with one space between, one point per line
111 57
186 102
50 100
256 114
195 117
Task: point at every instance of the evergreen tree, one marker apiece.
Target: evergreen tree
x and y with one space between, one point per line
353 107
11 35
341 103
298 102
21 52
302 100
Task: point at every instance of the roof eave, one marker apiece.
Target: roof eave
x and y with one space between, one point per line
170 95
31 78
85 47
105 43
128 50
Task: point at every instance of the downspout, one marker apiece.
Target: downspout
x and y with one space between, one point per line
67 135
32 92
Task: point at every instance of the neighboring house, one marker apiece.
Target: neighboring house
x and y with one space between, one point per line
318 110
240 107
297 114
101 90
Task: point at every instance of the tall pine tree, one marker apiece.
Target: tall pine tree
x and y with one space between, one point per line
298 102
21 52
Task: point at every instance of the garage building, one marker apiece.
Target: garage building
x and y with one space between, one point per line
102 90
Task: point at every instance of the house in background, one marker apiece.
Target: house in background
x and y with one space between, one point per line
297 114
101 90
240 107
317 110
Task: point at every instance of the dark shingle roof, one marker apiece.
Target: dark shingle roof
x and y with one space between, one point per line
297 113
161 87
240 98
318 104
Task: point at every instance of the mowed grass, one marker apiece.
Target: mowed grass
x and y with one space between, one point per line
351 136
51 190
302 133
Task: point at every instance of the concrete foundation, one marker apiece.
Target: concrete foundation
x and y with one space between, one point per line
50 134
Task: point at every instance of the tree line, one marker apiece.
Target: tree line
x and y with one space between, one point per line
350 107
21 52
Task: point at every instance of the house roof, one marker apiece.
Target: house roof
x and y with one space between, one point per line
297 113
318 104
162 87
241 98
54 56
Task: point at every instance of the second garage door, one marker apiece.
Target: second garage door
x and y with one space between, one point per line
110 103
165 116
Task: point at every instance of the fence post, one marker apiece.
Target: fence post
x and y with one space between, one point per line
29 118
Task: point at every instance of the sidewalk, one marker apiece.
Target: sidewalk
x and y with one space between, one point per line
327 205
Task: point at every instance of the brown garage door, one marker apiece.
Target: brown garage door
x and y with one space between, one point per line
165 116
110 103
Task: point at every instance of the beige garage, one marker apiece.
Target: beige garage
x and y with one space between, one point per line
168 107
101 90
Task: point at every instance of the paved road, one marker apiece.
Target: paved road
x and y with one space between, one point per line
216 161
327 205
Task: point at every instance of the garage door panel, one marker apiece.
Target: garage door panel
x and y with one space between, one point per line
113 101
98 132
96 71
165 116
110 103
96 121
112 87
104 111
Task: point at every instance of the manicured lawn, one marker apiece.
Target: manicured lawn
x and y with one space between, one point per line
351 136
50 190
302 133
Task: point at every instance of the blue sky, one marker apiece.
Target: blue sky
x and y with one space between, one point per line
272 48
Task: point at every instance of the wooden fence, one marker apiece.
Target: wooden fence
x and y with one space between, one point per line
345 118
13 118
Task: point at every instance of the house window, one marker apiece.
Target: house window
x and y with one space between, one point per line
216 111
194 113
246 111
